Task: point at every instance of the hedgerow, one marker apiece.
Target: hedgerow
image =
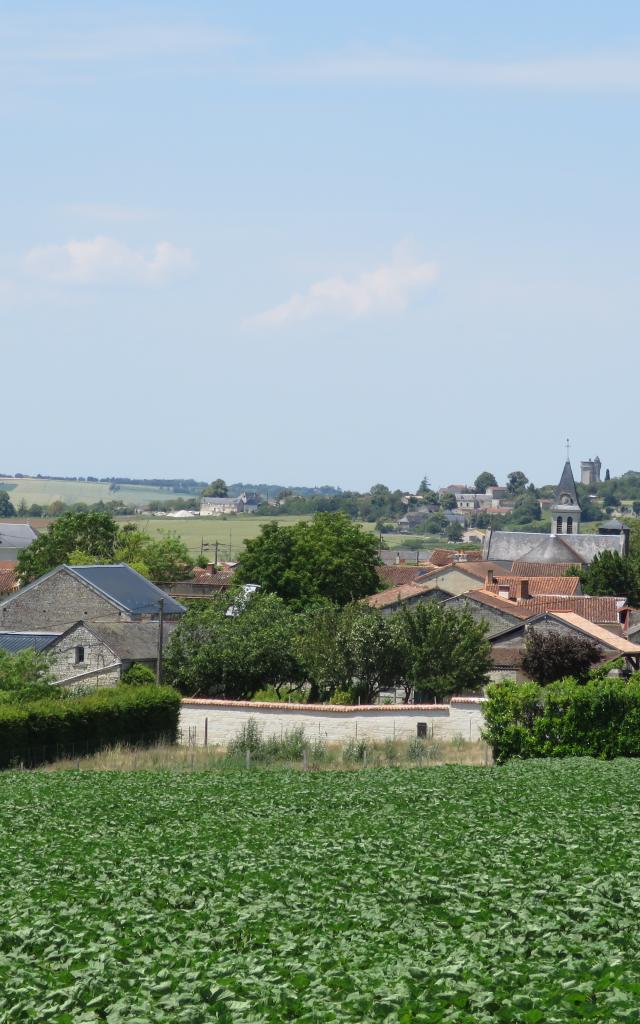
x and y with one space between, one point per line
565 719
32 733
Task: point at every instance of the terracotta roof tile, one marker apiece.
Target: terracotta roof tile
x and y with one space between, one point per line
593 609
539 586
8 581
529 569
394 575
395 595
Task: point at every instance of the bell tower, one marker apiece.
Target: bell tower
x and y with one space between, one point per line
565 511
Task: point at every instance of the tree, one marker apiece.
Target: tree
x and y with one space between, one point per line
447 651
214 654
455 532
526 509
448 501
613 575
93 533
483 481
24 676
516 481
56 508
216 489
372 650
7 510
331 557
607 475
551 656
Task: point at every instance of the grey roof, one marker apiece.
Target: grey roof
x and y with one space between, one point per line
612 524
14 642
388 557
131 641
567 485
16 535
127 588
511 546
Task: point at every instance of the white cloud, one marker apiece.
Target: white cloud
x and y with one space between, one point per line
386 289
612 72
104 260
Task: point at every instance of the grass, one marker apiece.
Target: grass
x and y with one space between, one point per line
202 533
288 753
458 894
44 492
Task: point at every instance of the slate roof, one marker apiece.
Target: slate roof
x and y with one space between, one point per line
127 588
18 641
567 485
131 641
16 535
577 548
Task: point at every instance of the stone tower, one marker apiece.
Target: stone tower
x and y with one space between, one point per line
565 511
590 471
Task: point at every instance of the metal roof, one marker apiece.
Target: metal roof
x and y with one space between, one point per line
16 535
14 642
127 588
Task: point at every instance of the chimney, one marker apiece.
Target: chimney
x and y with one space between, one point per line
522 590
489 579
503 591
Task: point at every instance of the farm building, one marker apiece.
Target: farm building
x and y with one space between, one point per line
14 537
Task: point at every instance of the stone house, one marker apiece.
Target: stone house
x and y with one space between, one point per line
88 593
221 506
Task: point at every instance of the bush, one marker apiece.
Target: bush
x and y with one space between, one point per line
600 718
139 675
46 729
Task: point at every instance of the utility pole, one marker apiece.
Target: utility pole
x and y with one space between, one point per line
160 637
216 556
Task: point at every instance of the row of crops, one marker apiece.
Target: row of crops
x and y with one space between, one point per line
395 895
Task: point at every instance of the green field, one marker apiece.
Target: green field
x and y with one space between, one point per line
200 534
458 895
43 492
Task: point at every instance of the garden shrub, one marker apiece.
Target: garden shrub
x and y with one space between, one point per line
45 729
600 718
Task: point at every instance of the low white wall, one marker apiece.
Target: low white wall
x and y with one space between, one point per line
219 721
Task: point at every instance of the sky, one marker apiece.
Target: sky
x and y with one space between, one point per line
319 243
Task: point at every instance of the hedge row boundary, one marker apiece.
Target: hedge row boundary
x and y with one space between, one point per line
565 719
51 728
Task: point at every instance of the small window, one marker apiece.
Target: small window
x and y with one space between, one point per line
422 730
80 655
559 524
569 524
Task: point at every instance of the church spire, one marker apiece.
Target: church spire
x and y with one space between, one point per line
566 493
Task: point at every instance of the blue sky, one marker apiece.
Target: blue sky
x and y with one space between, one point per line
332 243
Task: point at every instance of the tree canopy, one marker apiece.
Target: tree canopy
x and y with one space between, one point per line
447 651
551 656
614 575
7 509
216 489
330 557
483 481
516 481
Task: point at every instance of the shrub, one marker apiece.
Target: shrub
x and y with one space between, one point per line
600 718
45 729
139 675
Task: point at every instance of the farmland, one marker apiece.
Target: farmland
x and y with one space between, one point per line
34 491
464 895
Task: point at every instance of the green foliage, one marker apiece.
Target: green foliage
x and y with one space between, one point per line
24 676
447 651
330 558
454 532
139 675
45 729
613 574
526 509
483 481
93 533
216 489
214 654
7 509
371 652
516 482
398 896
600 718
448 501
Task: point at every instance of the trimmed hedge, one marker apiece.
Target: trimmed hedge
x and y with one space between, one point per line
565 719
47 729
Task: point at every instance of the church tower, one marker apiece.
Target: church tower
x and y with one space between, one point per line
565 511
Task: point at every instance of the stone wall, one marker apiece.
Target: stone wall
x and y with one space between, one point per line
54 602
97 656
331 723
96 680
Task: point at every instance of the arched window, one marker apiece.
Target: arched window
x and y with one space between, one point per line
569 524
559 524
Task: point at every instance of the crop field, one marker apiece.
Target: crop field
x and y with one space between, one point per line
455 894
44 492
201 534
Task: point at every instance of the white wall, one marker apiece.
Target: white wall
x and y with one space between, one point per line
224 720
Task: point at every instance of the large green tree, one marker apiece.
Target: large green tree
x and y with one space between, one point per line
614 575
551 656
483 481
372 651
7 510
330 557
215 654
216 489
94 533
24 676
516 482
447 651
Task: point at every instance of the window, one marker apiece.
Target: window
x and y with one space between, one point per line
422 730
80 655
559 524
569 524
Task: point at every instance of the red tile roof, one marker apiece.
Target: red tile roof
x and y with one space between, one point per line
594 609
395 595
394 575
539 586
529 569
8 581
